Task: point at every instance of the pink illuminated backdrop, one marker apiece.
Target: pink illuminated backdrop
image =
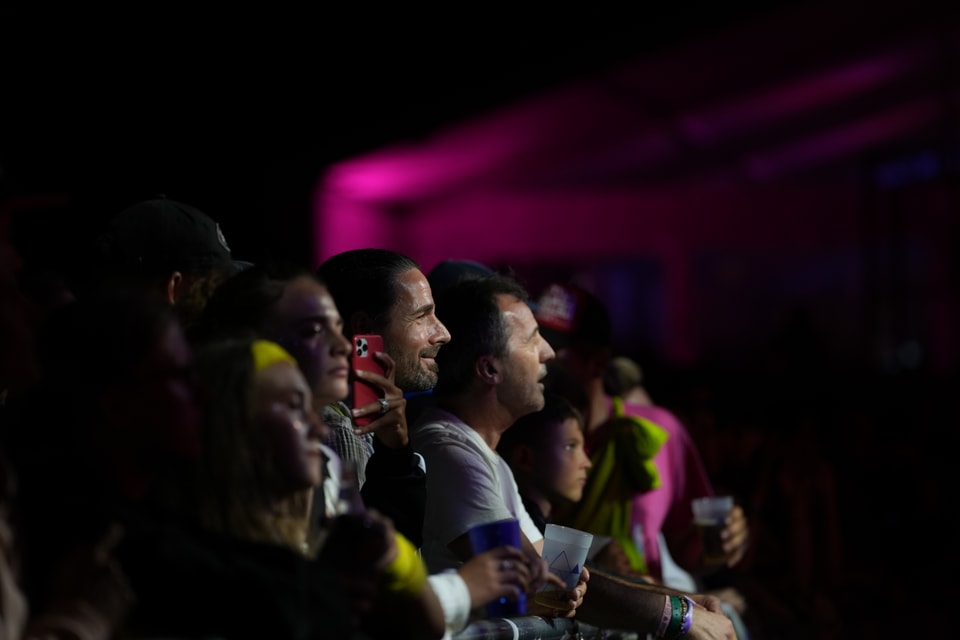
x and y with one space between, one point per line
760 162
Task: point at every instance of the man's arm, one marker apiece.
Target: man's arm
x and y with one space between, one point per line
614 603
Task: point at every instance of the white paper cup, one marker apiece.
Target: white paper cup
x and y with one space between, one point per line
565 550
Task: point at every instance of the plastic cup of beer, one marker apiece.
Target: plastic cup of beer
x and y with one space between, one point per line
565 550
709 514
491 535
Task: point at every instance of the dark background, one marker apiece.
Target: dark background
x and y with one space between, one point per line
240 112
845 466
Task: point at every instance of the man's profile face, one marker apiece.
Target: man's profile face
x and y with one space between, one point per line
524 365
414 334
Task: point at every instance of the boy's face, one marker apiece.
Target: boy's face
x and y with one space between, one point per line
562 464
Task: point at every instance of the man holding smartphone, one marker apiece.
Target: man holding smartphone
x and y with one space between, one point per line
385 293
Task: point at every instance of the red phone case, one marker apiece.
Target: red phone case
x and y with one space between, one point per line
364 346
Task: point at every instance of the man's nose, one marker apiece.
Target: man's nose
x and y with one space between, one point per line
440 334
546 351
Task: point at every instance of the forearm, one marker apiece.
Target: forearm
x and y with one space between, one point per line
612 603
623 604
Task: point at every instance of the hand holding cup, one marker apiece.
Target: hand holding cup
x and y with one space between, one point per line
713 515
489 536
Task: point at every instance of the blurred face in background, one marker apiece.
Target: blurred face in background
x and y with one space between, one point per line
156 412
282 406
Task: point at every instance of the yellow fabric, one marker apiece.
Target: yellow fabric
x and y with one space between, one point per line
406 573
622 466
266 353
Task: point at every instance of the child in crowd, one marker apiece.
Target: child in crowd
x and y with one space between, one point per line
545 451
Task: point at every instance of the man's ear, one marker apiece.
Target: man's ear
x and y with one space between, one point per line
173 287
488 369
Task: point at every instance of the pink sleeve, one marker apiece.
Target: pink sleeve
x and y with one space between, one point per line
689 477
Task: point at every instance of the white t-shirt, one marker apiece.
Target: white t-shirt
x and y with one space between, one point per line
468 483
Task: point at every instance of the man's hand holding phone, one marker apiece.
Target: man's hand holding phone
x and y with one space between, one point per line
379 405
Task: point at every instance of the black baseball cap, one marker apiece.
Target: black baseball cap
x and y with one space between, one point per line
160 235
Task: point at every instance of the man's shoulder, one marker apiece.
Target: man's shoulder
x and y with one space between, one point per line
435 421
439 428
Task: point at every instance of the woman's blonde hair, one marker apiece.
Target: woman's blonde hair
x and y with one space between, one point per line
239 487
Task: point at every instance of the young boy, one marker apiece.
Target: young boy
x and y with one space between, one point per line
545 451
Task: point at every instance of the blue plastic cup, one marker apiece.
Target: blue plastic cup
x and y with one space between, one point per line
491 535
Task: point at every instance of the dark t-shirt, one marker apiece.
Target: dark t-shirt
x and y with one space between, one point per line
535 514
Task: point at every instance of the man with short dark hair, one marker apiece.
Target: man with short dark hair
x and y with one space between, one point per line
384 292
491 376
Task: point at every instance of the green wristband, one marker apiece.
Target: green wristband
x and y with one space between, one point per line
676 619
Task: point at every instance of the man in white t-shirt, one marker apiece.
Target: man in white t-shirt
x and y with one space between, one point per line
490 375
473 486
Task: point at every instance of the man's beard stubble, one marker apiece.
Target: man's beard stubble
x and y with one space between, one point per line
411 376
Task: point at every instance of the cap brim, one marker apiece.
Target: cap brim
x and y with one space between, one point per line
240 265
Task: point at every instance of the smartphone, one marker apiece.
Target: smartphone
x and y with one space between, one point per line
364 346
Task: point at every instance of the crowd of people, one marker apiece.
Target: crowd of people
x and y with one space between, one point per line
181 454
